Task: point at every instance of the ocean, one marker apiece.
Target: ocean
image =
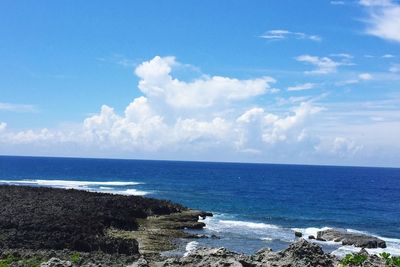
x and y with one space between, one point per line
255 205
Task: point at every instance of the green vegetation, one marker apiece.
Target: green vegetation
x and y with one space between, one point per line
7 260
353 259
391 261
27 262
75 258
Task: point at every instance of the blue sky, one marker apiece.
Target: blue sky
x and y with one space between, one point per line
313 82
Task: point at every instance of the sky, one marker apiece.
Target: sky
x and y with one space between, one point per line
297 82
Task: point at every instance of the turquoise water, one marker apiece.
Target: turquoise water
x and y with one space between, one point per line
255 205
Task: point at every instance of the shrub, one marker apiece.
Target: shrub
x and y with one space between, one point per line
354 259
75 258
391 261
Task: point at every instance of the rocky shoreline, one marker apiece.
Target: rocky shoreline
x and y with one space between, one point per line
45 227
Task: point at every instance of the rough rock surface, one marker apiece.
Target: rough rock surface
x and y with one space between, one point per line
301 253
48 218
347 238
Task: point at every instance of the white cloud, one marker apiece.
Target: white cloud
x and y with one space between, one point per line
285 34
272 128
388 56
156 82
3 126
179 118
17 107
383 19
324 65
301 87
208 119
337 2
342 55
375 2
395 68
365 76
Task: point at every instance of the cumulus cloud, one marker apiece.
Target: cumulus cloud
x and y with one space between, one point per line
156 82
210 113
323 65
285 34
301 87
383 19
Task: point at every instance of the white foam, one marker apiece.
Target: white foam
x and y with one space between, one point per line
106 188
191 246
393 244
96 186
132 192
251 225
310 230
226 226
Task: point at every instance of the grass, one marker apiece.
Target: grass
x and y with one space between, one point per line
8 260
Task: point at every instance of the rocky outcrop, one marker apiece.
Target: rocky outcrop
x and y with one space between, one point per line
301 253
348 238
157 233
48 218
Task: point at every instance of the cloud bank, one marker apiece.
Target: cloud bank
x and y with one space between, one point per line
207 118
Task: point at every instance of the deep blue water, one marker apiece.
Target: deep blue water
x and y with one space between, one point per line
256 204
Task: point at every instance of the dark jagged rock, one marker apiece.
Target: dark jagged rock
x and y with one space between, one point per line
347 238
298 234
301 253
48 218
311 237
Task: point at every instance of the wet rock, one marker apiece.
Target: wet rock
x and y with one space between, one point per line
348 238
311 237
298 234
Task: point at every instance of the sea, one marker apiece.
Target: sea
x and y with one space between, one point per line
254 205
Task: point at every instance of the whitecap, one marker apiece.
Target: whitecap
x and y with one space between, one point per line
95 186
251 225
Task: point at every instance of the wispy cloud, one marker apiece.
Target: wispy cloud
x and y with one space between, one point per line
342 55
18 107
337 2
360 77
395 68
120 60
323 65
301 87
383 19
285 34
388 56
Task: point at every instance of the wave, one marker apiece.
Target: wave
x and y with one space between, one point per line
225 225
113 187
251 225
191 246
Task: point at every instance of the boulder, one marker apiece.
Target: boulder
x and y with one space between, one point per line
348 238
298 234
